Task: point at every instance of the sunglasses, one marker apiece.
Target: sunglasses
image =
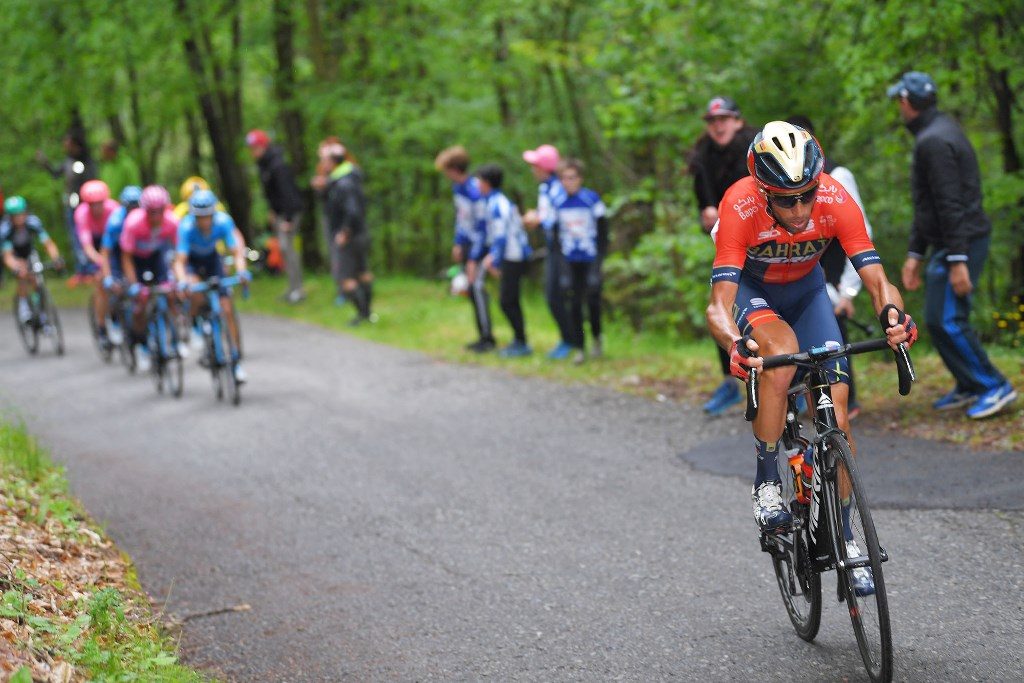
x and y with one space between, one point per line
788 201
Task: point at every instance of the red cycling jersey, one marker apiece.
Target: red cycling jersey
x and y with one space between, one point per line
749 241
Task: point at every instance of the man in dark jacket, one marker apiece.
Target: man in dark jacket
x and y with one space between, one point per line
285 202
948 218
75 170
349 240
717 161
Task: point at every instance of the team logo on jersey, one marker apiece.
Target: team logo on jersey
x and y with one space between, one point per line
758 302
746 207
768 234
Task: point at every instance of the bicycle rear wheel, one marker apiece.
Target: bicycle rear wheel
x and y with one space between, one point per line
869 611
799 584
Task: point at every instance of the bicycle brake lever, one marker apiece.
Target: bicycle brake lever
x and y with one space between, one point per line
751 385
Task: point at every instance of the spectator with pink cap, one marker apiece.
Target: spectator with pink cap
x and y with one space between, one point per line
544 163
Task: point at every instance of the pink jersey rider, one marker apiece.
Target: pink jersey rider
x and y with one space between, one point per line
88 227
141 240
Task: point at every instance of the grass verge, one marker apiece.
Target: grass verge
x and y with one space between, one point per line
419 315
70 607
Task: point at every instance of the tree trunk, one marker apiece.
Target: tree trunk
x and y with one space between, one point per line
501 77
220 103
999 79
195 155
293 124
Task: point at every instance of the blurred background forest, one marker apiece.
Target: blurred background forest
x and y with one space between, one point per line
620 83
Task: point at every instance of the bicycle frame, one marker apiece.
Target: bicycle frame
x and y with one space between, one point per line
823 551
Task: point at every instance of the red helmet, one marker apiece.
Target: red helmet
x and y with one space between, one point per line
154 197
94 191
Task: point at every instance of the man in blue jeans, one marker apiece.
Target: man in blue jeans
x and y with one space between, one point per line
949 219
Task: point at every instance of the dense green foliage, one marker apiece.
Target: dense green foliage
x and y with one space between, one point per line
620 83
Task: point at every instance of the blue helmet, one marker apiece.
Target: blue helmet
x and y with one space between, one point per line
202 203
130 195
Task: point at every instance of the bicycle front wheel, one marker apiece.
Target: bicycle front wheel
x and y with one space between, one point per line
799 584
228 369
859 562
51 323
27 329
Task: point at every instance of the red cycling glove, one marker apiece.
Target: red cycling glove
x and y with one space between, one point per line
738 355
901 319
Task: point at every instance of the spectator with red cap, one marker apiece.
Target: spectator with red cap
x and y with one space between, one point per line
544 163
285 202
719 159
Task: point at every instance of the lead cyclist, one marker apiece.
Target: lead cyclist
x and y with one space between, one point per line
768 294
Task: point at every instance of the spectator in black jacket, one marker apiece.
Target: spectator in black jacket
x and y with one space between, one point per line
717 161
285 202
345 215
76 169
948 218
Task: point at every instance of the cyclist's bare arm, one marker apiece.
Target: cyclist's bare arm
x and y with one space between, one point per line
719 316
882 294
180 273
128 266
241 264
105 266
51 250
13 262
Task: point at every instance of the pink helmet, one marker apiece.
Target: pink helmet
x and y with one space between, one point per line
545 157
154 197
94 191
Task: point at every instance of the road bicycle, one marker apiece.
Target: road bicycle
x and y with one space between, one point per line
819 481
44 320
162 338
221 354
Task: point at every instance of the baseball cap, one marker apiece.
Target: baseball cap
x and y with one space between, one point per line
721 106
257 138
916 84
545 157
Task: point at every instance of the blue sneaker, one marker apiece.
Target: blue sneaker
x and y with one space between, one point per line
992 401
726 395
862 579
770 512
560 352
955 399
516 349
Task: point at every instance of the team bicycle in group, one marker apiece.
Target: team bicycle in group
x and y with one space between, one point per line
162 288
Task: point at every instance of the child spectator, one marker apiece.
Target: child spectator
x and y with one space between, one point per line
508 253
582 230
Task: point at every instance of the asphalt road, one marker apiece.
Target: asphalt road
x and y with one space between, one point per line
389 517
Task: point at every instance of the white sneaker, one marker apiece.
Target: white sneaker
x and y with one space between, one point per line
240 374
115 334
24 310
183 350
861 578
145 363
596 349
770 512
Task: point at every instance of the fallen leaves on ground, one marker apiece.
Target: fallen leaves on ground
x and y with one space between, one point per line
52 568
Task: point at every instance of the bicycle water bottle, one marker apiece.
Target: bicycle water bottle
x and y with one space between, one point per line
797 463
807 470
